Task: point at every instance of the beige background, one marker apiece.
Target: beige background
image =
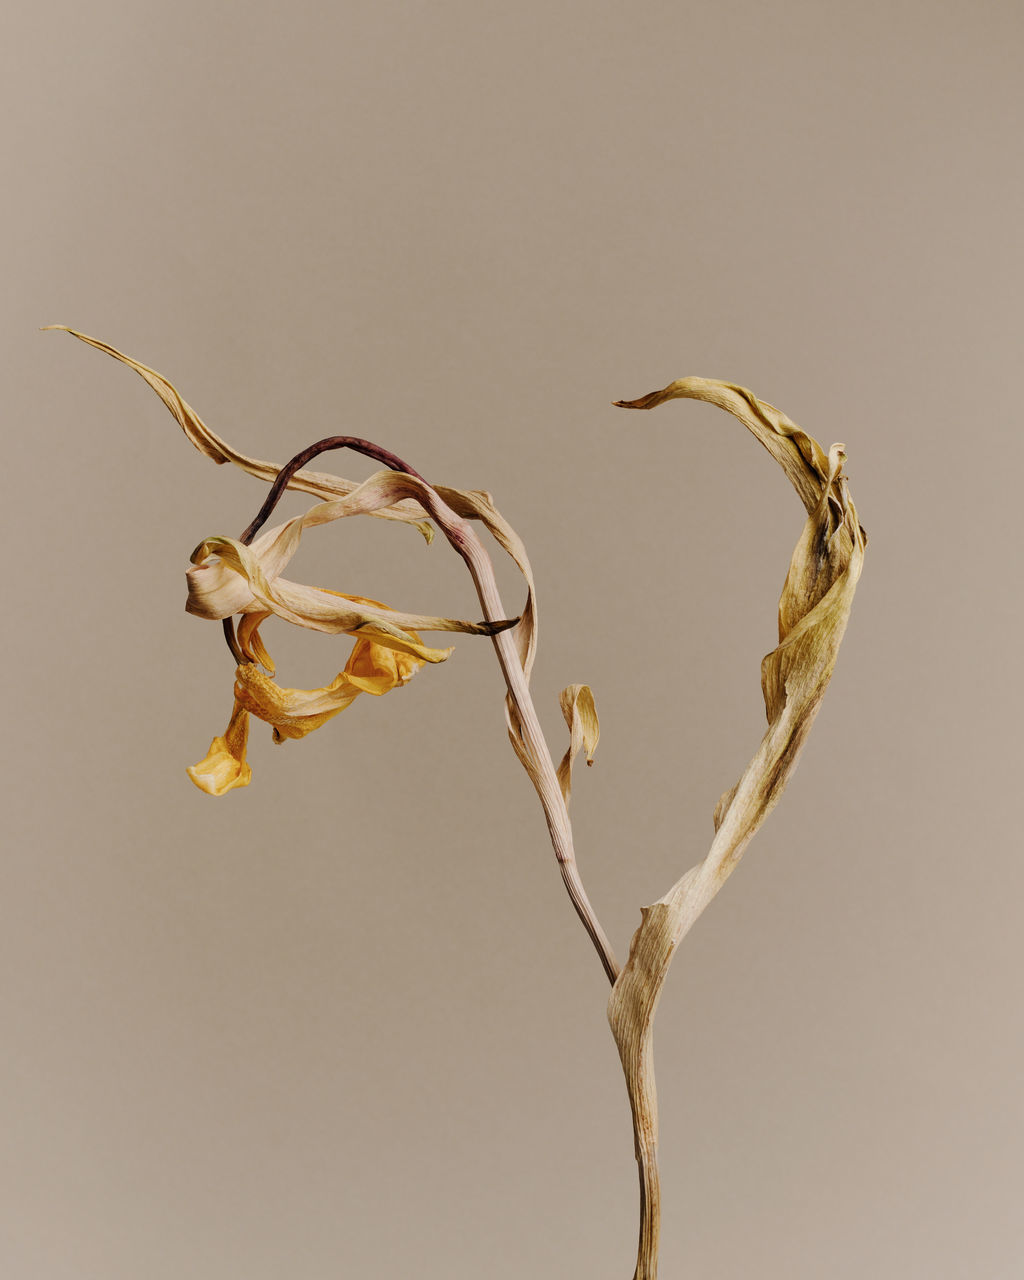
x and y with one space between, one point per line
463 229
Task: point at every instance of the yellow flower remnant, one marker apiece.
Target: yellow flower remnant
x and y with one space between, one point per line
371 668
225 766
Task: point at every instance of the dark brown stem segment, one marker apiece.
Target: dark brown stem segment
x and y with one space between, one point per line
307 455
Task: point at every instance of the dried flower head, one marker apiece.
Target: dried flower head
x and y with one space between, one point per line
229 578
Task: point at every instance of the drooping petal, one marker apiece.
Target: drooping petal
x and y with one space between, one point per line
225 766
371 668
377 669
292 712
251 642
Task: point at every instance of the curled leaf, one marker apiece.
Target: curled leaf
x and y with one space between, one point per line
319 483
229 577
577 703
813 613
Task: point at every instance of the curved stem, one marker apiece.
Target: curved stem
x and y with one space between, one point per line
465 541
228 627
366 447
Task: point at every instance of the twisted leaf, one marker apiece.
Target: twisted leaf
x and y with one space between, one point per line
813 613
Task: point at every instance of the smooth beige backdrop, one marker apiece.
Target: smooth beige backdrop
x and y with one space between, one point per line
463 229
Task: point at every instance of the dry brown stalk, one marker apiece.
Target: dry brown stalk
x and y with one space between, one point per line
243 577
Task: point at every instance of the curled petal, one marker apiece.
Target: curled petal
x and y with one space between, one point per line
225 766
371 668
215 590
310 607
219 586
377 669
292 712
577 703
250 641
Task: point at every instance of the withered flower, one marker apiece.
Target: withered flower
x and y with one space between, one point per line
371 668
230 578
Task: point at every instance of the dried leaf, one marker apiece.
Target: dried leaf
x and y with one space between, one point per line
319 483
577 703
813 613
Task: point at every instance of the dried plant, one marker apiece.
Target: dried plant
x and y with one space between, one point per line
241 577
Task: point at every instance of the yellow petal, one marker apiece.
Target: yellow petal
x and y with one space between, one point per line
376 669
251 642
225 765
292 712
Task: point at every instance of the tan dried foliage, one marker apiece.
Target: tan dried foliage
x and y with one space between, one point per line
813 612
230 578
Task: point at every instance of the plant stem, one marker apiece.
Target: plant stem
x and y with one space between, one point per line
463 538
643 1101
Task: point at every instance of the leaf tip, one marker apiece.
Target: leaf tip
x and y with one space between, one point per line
503 624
